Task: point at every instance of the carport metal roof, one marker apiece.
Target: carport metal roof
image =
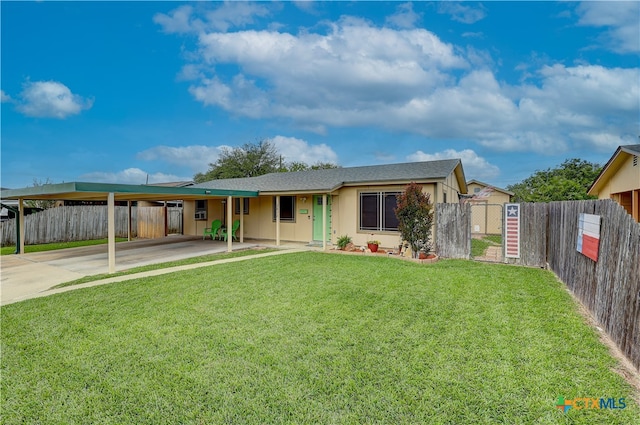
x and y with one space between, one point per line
116 192
123 192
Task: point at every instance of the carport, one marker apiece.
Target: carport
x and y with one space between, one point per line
111 193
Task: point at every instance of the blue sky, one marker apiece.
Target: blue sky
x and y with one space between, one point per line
123 92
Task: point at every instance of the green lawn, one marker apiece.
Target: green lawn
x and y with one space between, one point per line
309 338
6 250
168 264
479 246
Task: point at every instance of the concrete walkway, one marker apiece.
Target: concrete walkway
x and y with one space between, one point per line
493 254
33 292
31 275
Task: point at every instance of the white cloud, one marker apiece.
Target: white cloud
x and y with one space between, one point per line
196 157
4 97
462 12
131 176
353 69
475 167
621 20
354 74
51 99
305 5
606 140
293 149
471 34
178 20
184 19
404 17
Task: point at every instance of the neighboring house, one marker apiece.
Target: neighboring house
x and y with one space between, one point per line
620 180
486 206
7 213
360 201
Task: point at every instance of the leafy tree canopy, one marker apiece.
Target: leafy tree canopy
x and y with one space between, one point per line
251 160
570 181
248 160
303 166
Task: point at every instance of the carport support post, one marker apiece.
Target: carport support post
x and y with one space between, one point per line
229 223
21 225
324 222
111 230
129 221
277 220
241 201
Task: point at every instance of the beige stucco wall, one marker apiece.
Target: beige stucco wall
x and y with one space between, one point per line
191 226
625 179
259 224
486 218
486 214
450 187
346 207
496 197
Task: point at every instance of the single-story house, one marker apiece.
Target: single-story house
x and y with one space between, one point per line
486 211
354 201
318 205
620 180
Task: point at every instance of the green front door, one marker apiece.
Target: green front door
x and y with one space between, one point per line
317 218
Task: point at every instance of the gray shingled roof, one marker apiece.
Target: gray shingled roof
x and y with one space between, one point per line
635 149
325 180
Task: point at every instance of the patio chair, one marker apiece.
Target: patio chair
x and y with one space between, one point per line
234 229
213 230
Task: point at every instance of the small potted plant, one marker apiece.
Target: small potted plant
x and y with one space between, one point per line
343 241
373 245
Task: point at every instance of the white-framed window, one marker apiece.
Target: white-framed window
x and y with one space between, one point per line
245 206
201 209
287 208
377 211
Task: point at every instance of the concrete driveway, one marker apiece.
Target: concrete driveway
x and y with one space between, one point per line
23 275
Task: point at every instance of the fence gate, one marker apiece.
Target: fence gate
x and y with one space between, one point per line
174 217
486 231
151 222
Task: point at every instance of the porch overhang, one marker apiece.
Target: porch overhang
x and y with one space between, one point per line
111 193
82 191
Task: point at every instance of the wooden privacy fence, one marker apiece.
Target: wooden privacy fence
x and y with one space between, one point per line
453 230
609 287
84 222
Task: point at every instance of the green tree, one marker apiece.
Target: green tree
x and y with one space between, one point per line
248 160
415 218
567 182
324 165
303 166
294 166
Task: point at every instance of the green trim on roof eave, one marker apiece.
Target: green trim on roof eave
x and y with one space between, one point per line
81 187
